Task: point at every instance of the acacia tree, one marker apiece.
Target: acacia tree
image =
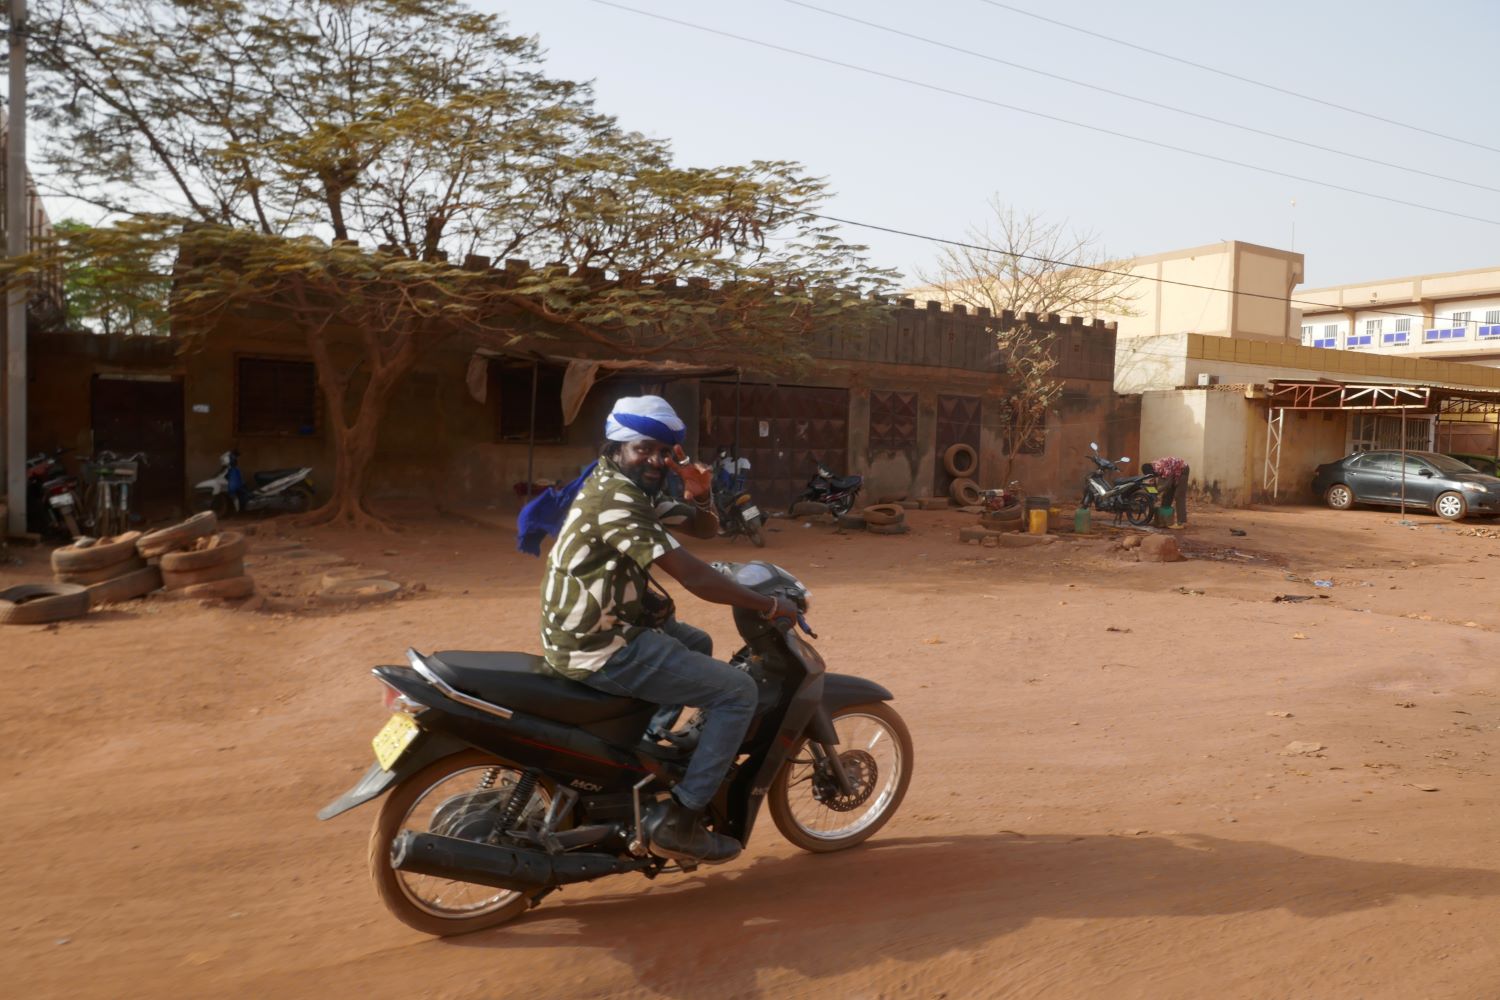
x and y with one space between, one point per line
257 152
1023 264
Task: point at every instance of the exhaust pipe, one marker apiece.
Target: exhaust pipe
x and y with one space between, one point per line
501 867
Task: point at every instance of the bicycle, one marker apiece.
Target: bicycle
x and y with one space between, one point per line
109 491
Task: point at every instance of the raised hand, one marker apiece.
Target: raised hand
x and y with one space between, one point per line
697 478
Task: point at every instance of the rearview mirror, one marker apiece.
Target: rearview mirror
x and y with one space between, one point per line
1125 459
1425 472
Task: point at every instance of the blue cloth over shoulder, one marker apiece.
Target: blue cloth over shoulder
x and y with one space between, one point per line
544 515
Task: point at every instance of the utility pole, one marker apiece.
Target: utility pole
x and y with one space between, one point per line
16 220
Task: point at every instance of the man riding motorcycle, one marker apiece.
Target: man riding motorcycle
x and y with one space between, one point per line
603 626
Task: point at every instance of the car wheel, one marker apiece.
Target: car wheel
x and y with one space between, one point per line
1451 506
1339 497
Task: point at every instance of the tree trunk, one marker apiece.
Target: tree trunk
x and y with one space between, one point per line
354 443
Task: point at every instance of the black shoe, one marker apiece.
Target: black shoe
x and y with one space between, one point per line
676 832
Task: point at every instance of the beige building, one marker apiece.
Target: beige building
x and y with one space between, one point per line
1254 384
1453 316
1229 289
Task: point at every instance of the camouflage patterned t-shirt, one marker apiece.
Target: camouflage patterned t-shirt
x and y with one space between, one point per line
596 573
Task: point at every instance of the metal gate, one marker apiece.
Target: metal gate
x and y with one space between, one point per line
133 413
784 430
1379 431
957 423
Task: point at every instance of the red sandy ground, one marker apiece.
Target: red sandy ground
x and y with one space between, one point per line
1101 806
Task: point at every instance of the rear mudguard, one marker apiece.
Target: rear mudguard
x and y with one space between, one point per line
377 780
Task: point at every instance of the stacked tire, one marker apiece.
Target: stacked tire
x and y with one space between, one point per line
885 519
198 560
109 570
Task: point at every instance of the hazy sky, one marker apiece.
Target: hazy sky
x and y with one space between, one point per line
912 158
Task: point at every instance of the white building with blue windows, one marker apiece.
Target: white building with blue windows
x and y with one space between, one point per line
1450 317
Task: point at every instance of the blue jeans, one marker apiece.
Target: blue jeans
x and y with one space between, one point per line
698 641
658 667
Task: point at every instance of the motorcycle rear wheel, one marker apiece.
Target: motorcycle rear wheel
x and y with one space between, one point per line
438 906
754 533
842 505
876 749
1139 510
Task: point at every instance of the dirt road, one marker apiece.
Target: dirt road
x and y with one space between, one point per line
1104 805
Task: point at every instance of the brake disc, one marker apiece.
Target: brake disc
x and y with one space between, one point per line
863 774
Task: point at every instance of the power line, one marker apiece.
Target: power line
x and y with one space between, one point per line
1043 115
1101 270
1241 79
1142 100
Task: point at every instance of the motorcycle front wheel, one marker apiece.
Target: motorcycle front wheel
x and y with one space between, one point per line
1139 510
806 802
453 797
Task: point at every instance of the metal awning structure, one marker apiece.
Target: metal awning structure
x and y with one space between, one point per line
1363 397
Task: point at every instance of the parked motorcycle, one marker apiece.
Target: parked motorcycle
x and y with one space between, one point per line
738 514
838 492
287 491
52 504
507 782
1131 496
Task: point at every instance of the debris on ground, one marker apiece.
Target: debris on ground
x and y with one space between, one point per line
1301 748
1237 532
1292 598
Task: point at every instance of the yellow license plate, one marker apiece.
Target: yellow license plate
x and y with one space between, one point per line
393 739
1151 489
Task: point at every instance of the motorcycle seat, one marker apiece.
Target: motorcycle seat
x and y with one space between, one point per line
266 476
524 683
845 482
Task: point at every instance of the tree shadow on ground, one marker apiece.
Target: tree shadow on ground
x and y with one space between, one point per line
919 898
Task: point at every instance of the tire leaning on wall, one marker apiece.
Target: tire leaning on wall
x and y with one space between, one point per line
960 461
965 492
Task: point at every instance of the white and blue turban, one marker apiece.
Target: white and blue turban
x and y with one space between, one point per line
643 418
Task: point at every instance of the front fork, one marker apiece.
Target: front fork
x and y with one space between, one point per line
823 754
822 741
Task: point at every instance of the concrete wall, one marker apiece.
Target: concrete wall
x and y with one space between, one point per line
1269 275
1221 434
1211 431
1144 363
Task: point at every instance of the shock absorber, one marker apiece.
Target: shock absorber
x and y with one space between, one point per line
520 797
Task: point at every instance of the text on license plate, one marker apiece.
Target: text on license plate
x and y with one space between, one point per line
749 512
393 739
62 500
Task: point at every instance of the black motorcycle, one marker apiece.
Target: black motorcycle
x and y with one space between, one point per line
507 781
737 512
838 492
52 497
1131 496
